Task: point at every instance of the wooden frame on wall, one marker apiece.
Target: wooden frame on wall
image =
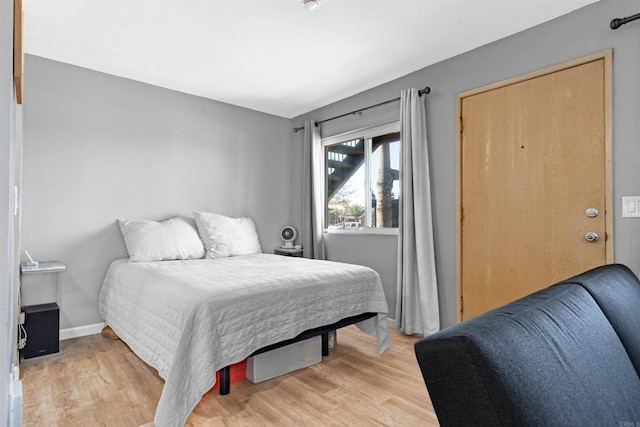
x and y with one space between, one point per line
18 56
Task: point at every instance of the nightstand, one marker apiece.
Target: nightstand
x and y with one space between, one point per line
289 252
41 321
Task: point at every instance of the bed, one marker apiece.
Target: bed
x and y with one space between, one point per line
191 318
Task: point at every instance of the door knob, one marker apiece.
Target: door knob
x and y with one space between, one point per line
592 212
592 237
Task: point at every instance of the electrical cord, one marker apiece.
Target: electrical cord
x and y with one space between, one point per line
22 332
22 337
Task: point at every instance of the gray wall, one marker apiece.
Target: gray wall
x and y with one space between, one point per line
580 33
358 250
98 147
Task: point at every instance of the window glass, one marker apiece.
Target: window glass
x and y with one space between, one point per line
362 179
385 181
345 183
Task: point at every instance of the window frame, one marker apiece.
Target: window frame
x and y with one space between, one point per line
366 133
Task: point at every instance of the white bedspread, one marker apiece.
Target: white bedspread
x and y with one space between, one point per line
188 319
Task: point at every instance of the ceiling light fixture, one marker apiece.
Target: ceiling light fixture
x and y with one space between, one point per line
310 4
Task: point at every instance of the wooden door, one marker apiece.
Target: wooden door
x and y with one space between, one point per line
533 158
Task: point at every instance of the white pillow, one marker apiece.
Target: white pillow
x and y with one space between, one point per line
224 236
175 238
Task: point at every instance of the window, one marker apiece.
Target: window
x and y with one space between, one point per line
362 179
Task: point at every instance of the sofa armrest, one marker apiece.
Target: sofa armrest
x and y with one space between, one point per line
552 358
455 383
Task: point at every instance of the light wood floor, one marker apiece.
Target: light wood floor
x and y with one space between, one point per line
100 382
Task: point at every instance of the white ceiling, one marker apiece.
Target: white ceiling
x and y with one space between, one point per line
272 55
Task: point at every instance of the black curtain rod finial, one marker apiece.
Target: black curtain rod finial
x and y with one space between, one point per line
619 22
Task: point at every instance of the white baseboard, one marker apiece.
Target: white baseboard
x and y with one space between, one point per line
81 331
15 404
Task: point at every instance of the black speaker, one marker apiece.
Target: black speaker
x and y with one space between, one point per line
42 323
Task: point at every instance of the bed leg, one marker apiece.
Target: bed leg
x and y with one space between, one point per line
107 332
325 344
225 380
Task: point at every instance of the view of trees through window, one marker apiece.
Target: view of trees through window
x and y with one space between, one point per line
362 182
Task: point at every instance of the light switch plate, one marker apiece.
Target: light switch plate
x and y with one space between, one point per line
631 206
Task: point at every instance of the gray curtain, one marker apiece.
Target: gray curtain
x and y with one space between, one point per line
417 289
312 193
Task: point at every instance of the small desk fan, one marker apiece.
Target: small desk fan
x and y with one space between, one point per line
288 235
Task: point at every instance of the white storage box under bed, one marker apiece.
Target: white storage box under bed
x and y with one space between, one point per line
284 360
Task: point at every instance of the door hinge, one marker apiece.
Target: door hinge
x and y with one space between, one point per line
461 305
461 125
461 214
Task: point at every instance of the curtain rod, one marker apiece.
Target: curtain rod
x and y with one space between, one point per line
619 22
421 92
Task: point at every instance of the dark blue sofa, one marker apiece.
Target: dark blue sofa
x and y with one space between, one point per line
568 355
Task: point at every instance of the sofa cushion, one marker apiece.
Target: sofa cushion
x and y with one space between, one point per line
617 291
551 358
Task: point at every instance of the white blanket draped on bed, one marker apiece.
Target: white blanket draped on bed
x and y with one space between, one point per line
188 319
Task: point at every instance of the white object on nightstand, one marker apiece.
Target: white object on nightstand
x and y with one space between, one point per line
288 235
42 267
